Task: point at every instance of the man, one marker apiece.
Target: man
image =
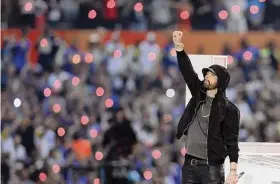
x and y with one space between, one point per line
210 121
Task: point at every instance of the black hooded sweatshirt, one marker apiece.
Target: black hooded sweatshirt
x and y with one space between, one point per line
224 120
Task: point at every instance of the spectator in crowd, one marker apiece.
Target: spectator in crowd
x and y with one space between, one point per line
47 48
247 57
237 21
220 15
203 17
58 114
20 50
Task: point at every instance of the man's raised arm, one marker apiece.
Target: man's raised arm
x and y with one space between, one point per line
185 65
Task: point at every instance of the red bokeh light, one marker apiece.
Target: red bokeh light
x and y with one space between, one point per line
138 7
84 120
56 108
235 8
230 60
56 168
28 6
109 103
44 42
148 175
247 55
99 91
93 133
254 9
96 181
152 56
88 58
184 14
75 81
223 14
60 131
57 84
117 53
92 14
76 59
42 176
156 154
47 92
98 155
111 4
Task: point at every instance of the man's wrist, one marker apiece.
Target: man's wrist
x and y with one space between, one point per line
179 47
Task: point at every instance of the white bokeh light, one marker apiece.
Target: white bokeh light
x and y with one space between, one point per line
170 93
17 102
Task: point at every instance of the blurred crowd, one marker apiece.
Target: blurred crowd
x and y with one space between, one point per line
219 15
109 115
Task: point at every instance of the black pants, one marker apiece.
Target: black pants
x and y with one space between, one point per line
199 173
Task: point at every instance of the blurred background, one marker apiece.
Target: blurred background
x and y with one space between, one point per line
101 105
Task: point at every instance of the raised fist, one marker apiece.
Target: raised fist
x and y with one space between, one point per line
177 40
177 36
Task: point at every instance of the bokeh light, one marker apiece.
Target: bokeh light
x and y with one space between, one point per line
170 93
42 176
17 102
148 175
92 14
156 154
111 4
247 55
96 181
138 7
235 8
28 6
223 14
230 60
76 59
47 92
75 81
184 15
93 133
98 155
117 53
57 84
262 1
56 108
109 103
88 58
84 120
60 131
152 56
99 91
56 168
43 42
254 9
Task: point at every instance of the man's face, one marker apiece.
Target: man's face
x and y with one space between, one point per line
210 81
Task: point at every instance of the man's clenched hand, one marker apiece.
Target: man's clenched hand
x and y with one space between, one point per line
177 40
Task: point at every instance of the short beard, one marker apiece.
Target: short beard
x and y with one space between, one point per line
208 86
